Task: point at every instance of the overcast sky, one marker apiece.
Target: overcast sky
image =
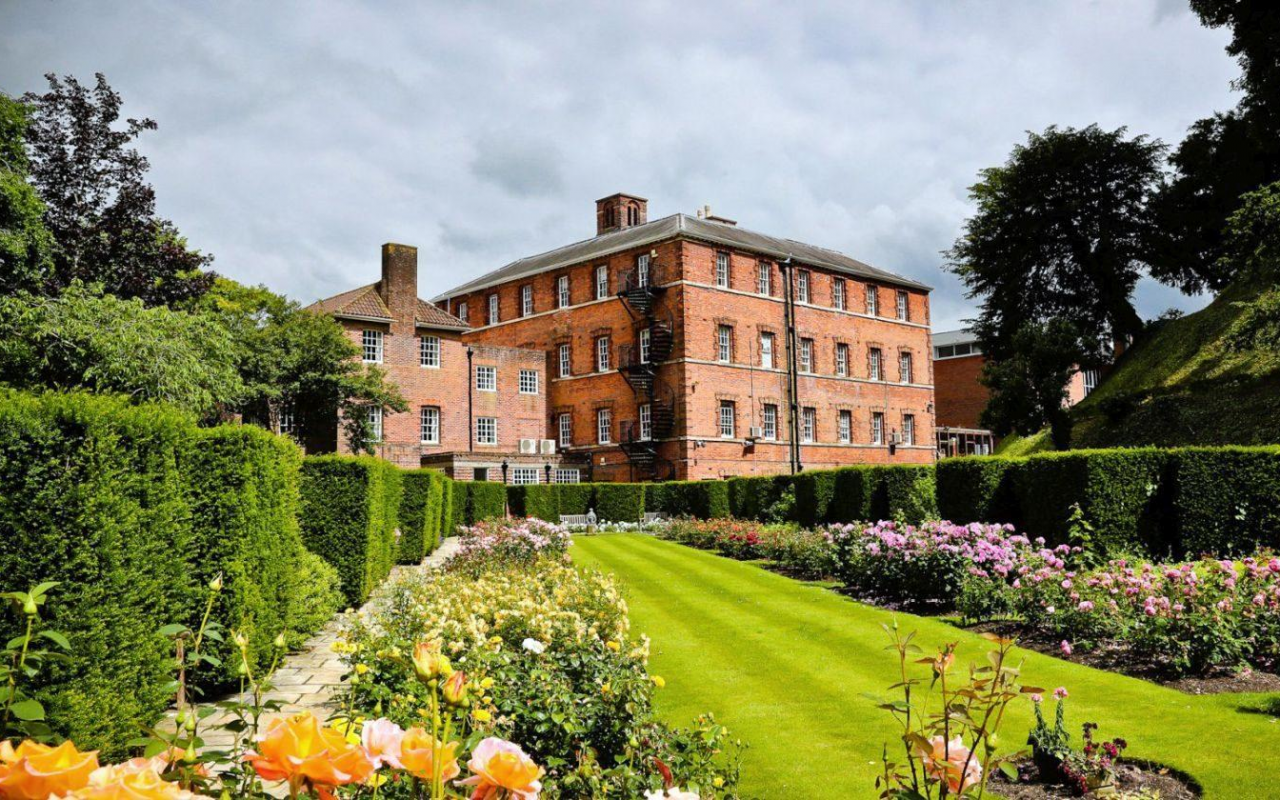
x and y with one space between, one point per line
296 138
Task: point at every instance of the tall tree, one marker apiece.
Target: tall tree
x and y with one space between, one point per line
99 207
1224 156
25 244
1029 387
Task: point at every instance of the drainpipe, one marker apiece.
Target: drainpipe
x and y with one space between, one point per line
471 422
793 384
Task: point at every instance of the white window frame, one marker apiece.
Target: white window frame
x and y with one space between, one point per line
602 281
375 423
429 425
487 430
808 424
806 356
567 475
724 344
493 309
565 360
463 311
767 342
769 421
875 364
563 296
1090 378
842 359
528 381
908 428
525 476
642 271
371 342
904 306
905 368
873 301
802 285
602 354
486 378
565 428
844 426
728 419
526 300
604 426
764 278
646 339
837 293
877 427
429 351
722 269
646 422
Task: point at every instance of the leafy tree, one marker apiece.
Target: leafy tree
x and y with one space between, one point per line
25 244
293 359
98 206
1224 156
82 339
1029 387
1253 242
1061 232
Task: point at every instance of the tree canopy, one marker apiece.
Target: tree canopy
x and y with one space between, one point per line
25 243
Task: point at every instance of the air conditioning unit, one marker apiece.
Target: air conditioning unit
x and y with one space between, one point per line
756 432
895 438
548 447
528 447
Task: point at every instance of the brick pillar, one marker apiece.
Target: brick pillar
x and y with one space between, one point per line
399 286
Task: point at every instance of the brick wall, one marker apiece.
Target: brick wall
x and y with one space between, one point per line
960 398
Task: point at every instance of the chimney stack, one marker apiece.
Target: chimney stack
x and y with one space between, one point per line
618 211
399 285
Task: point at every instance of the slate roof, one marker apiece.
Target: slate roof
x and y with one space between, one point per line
689 227
366 303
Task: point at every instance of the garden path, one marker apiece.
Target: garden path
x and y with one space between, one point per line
309 679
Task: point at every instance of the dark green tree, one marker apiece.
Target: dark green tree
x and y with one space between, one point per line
1029 387
25 243
1061 231
98 205
1224 156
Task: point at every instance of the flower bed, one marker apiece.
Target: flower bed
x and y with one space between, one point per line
547 647
799 552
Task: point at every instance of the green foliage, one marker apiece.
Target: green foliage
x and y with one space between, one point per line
701 499
1227 499
485 500
25 244
577 498
1029 385
536 500
906 493
422 512
814 492
317 596
457 505
348 518
21 659
102 343
976 489
753 497
620 502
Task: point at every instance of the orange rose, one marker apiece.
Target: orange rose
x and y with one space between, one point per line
34 771
501 769
300 751
417 754
136 779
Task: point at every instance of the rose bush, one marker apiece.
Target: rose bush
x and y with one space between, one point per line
803 553
507 542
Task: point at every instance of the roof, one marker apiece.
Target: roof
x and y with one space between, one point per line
682 225
961 336
366 303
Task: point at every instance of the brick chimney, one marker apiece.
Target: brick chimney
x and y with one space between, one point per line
399 285
618 211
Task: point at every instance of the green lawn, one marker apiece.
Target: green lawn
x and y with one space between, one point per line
785 664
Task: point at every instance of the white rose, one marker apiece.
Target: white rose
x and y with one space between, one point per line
533 646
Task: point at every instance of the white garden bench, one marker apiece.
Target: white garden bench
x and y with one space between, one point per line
590 518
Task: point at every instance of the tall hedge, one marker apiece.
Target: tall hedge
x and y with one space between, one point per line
702 499
619 502
1226 499
348 518
436 514
976 489
459 497
92 496
420 511
753 497
485 500
535 500
577 498
905 492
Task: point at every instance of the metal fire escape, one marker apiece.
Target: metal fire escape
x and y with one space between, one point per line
655 400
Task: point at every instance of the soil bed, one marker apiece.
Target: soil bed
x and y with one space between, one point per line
1131 776
1114 657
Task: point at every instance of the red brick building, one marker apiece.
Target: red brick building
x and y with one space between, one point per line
689 347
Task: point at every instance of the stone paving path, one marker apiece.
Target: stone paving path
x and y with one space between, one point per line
309 679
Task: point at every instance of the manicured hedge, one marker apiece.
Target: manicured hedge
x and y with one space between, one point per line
754 497
536 500
485 500
850 494
620 502
976 489
577 498
458 499
906 492
702 499
421 514
348 518
1226 500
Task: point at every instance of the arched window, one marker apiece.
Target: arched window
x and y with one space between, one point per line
632 216
608 217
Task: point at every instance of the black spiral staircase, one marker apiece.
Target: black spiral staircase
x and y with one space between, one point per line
640 294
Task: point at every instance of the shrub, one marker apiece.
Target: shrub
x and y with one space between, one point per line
701 499
814 492
620 502
500 543
536 500
976 489
317 596
244 516
485 500
577 498
853 491
751 498
905 493
414 542
346 518
459 498
437 511
1227 500
93 497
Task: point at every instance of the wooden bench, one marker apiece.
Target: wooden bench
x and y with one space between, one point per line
590 519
